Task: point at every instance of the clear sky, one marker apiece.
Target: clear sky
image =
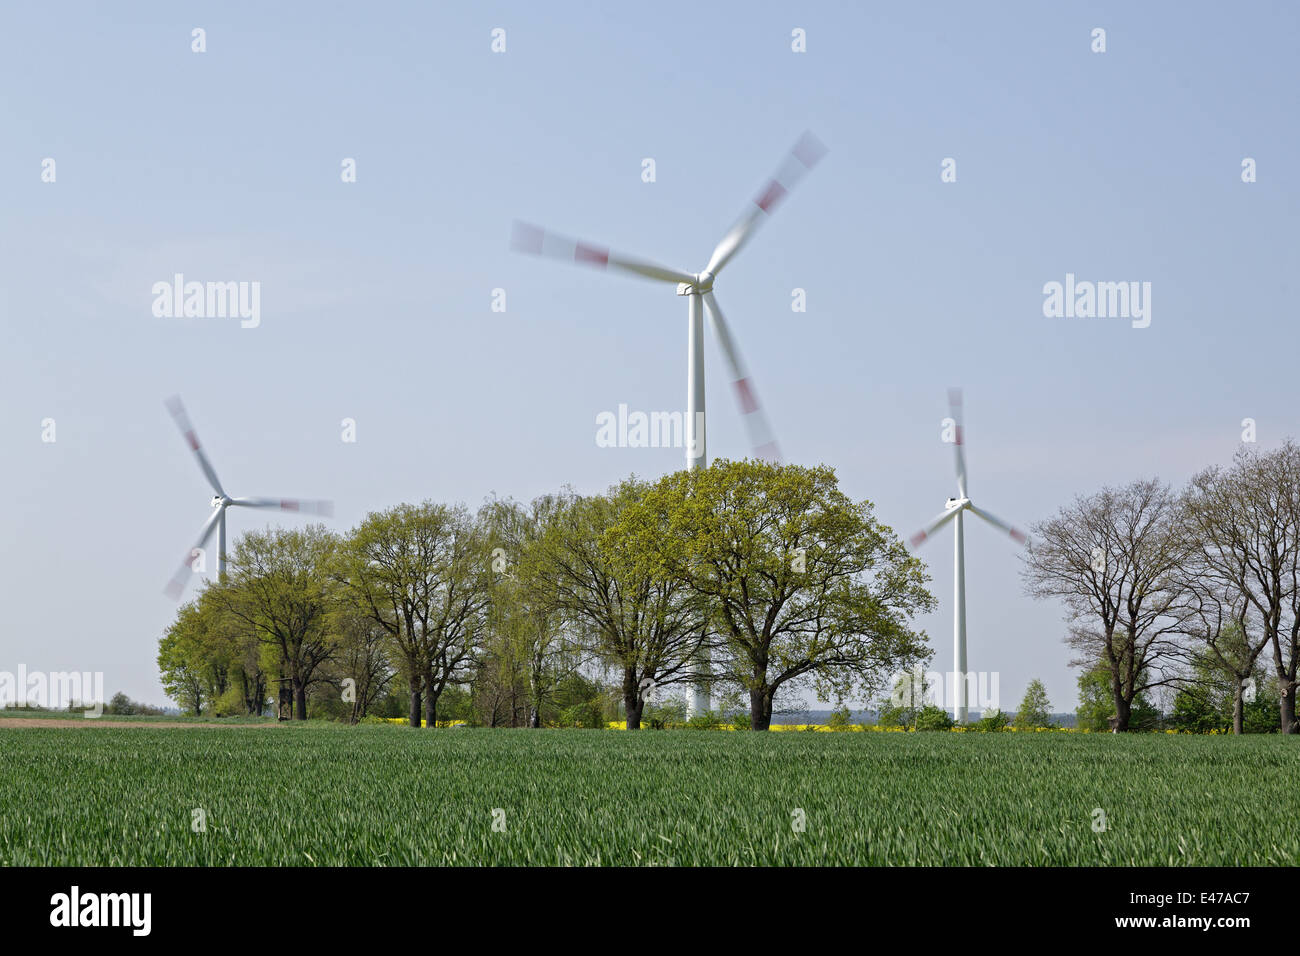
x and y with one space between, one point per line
376 295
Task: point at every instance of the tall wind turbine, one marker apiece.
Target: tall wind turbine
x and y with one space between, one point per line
953 512
221 501
698 290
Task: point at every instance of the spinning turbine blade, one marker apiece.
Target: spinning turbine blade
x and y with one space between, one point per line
1016 534
305 506
760 432
959 438
183 423
177 584
803 157
916 540
536 241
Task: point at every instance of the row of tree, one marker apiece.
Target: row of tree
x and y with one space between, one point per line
745 577
1196 591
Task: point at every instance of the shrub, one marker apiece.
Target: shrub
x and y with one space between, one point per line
705 720
840 719
1035 710
993 722
589 714
931 717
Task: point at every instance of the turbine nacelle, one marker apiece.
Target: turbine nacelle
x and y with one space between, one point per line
703 283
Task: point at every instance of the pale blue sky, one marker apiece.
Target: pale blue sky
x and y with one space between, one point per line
375 295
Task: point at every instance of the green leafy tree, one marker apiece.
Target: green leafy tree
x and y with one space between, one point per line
993 722
531 642
279 586
582 702
841 718
801 584
649 627
906 700
421 572
1197 710
671 712
181 659
931 717
1035 710
1096 709
1261 714
361 671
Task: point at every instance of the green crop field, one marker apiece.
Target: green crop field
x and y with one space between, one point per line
325 794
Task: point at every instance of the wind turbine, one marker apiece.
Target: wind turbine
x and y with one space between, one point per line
221 501
953 512
698 290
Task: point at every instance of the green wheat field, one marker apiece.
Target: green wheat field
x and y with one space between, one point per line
322 794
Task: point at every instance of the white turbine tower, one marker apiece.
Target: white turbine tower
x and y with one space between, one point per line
698 290
220 502
953 512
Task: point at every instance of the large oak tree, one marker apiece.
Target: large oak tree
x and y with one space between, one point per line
649 627
279 586
421 573
801 584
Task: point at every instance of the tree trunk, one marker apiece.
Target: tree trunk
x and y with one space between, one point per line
1238 711
1287 707
760 709
430 703
413 688
254 693
299 701
633 705
1123 713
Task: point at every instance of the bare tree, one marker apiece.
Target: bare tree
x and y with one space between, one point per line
1111 558
1245 521
1222 625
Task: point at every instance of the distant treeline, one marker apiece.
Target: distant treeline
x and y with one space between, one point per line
748 578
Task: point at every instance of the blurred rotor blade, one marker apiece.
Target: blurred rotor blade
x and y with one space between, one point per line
760 432
177 584
803 157
959 438
536 241
918 539
183 423
1017 535
307 506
